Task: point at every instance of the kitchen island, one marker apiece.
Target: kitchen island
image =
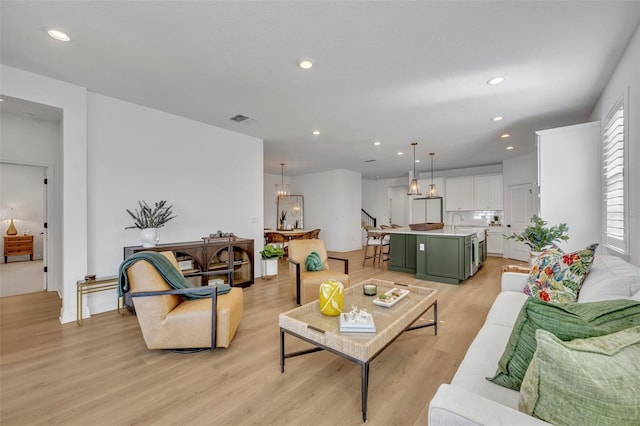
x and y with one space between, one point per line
448 255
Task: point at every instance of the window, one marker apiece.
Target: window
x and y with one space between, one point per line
613 163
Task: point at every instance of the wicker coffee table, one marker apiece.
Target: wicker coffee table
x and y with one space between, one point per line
307 323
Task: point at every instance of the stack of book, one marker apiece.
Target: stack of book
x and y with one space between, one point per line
361 322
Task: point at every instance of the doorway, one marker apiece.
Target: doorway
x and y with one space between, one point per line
518 211
398 205
24 200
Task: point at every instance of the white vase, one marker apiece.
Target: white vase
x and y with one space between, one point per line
270 267
150 237
533 256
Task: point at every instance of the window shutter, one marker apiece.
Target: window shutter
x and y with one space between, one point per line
614 180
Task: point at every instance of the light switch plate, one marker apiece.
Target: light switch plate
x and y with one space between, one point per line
421 246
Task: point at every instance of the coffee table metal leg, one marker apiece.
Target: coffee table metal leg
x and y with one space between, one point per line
435 317
365 389
281 351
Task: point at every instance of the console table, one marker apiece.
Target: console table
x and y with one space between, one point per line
210 255
18 245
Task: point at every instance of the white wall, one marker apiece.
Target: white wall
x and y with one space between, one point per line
569 181
270 199
375 197
212 177
68 255
625 82
332 203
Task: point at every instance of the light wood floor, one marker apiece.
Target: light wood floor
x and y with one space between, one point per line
102 373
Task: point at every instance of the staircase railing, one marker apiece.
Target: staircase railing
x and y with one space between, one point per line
366 219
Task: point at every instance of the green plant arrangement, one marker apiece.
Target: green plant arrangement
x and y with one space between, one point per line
148 217
538 236
272 252
283 217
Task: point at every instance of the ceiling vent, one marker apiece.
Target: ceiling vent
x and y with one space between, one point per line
369 161
242 119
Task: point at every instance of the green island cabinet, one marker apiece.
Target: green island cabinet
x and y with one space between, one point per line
443 258
402 253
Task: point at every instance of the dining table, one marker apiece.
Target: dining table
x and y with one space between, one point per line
290 234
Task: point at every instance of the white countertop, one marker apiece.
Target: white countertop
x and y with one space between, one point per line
460 231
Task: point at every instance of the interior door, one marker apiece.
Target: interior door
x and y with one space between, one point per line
519 209
398 205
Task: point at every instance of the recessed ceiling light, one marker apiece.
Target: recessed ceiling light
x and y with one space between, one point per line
495 80
400 153
58 35
505 135
417 161
377 143
510 147
498 118
305 63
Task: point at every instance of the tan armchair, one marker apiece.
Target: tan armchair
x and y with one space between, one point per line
305 285
168 321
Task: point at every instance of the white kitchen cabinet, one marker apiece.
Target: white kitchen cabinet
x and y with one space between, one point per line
495 240
474 193
487 192
481 193
460 194
496 189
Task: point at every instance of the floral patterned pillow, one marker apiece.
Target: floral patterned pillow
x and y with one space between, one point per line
557 276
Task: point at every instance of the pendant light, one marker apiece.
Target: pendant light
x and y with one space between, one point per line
413 186
282 189
433 191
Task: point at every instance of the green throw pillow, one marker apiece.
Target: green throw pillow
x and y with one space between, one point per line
566 321
314 262
592 381
557 277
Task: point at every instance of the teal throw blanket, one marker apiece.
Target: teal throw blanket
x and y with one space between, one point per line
167 270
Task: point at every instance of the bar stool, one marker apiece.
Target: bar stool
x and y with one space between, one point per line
379 241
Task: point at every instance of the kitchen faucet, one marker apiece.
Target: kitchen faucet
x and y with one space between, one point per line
453 221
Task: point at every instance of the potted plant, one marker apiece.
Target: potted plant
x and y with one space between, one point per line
283 219
148 219
539 236
270 255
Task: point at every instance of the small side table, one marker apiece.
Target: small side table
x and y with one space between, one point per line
94 286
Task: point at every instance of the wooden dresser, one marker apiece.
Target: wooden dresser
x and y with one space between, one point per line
201 256
18 245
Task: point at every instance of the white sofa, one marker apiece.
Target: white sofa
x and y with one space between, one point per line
470 399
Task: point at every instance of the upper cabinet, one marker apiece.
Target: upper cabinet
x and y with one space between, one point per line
474 193
488 192
460 194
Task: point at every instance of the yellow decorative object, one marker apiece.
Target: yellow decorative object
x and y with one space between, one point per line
12 229
331 297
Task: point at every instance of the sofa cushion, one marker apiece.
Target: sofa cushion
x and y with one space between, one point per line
566 321
506 308
557 276
610 278
584 381
480 361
